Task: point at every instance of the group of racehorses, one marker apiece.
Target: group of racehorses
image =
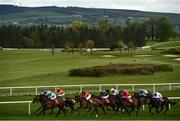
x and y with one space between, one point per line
116 102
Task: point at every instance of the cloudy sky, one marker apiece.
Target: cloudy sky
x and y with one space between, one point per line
172 6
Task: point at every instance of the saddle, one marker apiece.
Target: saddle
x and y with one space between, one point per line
55 101
130 100
90 100
106 100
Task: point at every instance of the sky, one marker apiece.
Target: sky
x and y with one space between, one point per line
170 6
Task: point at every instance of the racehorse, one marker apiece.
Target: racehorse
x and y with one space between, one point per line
69 102
143 100
92 102
125 104
48 104
156 103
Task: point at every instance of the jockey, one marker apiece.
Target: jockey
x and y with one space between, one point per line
104 95
50 95
114 91
60 92
158 95
86 95
126 95
143 93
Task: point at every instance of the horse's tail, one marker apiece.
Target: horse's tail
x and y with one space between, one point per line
172 103
169 101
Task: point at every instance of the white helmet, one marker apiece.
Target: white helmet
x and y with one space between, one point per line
112 89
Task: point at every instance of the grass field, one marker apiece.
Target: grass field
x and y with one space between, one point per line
25 68
10 111
35 67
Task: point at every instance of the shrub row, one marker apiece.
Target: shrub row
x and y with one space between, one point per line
172 51
120 69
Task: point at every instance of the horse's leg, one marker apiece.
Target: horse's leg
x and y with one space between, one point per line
103 108
97 112
132 109
37 110
72 108
44 112
63 110
137 110
150 110
157 109
77 110
40 112
160 109
167 108
88 110
58 112
51 110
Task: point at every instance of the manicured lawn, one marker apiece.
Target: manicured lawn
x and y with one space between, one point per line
26 68
10 111
34 67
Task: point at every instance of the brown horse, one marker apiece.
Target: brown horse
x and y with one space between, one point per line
69 102
143 100
49 104
88 104
125 104
156 103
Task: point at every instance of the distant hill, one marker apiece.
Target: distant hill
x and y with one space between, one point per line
65 15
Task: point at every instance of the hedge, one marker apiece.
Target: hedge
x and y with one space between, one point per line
120 69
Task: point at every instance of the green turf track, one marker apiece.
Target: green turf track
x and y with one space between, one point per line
28 68
20 111
34 67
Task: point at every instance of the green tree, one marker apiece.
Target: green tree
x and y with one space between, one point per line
80 46
165 29
67 46
120 45
28 42
78 25
131 46
90 44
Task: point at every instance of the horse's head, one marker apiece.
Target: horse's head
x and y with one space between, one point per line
77 98
149 96
136 95
39 98
36 99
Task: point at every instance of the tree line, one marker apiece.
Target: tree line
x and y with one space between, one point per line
80 35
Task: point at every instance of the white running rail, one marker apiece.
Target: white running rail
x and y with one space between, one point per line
16 102
83 86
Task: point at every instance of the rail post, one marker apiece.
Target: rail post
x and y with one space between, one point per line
36 91
143 107
29 111
117 86
10 91
170 87
154 88
100 86
133 87
80 89
55 88
169 106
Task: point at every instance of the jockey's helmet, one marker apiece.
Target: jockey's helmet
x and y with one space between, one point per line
59 90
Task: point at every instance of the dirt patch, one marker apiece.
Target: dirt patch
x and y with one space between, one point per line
108 56
178 59
172 56
143 55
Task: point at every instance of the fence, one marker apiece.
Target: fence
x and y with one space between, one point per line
29 103
99 87
15 102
